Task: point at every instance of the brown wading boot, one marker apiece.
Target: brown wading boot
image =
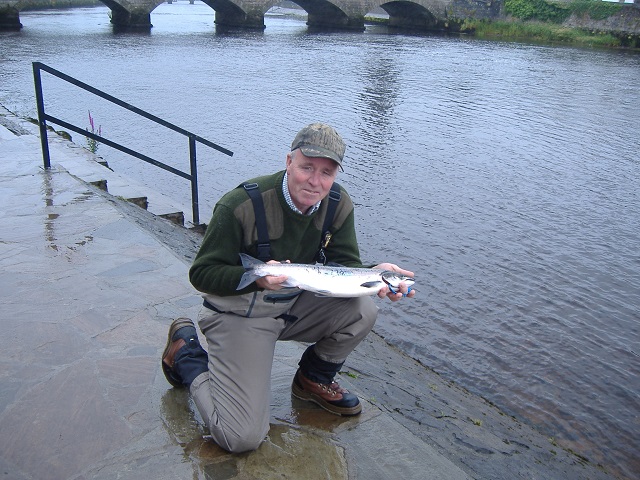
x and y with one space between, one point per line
331 397
175 341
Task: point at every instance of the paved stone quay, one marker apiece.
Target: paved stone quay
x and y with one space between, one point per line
88 288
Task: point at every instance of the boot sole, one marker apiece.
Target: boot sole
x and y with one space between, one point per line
166 369
301 394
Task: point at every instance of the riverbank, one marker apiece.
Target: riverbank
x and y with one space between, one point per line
118 275
591 23
550 34
588 23
538 32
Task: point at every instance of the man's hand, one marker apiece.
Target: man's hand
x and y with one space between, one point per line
272 282
403 289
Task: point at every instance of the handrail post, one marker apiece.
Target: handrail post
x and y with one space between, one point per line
42 122
194 180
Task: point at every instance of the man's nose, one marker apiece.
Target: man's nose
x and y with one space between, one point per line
314 178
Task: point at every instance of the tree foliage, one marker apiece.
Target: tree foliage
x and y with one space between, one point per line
596 9
558 12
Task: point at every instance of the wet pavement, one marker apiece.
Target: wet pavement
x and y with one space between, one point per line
89 285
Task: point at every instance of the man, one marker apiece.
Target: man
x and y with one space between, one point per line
231 383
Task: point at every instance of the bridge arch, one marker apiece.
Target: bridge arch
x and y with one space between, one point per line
132 14
330 14
239 13
350 14
250 14
338 14
417 14
323 14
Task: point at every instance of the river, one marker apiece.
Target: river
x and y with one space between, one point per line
504 174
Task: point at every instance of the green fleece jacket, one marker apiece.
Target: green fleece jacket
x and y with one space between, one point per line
217 268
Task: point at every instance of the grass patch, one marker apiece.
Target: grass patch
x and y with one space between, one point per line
541 21
539 32
536 10
596 9
558 12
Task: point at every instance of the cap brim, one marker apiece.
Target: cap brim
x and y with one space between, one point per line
315 151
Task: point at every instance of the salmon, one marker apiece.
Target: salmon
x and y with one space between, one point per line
324 280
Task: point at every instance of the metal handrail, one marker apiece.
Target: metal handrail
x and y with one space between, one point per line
193 138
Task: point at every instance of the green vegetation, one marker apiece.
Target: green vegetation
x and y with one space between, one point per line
559 12
476 421
540 32
596 9
92 143
536 10
541 21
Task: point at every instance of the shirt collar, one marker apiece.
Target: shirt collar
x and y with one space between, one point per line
287 197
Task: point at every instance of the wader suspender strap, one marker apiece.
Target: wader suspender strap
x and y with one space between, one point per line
334 199
264 246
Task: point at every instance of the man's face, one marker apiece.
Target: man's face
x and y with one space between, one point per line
309 179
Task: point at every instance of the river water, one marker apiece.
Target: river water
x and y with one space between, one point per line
504 174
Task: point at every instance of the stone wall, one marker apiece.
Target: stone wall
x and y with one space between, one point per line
483 9
625 22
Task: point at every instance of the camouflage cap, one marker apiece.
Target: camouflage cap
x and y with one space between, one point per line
320 140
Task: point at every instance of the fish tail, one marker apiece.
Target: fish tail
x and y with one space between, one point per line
247 279
249 263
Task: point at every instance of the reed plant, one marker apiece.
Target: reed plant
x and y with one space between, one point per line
92 143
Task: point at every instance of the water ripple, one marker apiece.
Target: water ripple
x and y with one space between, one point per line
504 174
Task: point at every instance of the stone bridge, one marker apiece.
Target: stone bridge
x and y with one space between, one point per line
324 14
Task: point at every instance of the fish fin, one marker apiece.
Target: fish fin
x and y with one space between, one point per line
323 293
248 262
371 284
248 277
394 279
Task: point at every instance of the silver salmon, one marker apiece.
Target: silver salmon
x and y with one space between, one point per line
323 280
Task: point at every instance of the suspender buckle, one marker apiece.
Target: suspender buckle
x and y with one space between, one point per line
326 240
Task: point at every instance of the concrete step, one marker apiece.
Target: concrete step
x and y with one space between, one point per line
86 166
93 169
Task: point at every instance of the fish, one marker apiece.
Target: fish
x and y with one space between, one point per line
328 281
